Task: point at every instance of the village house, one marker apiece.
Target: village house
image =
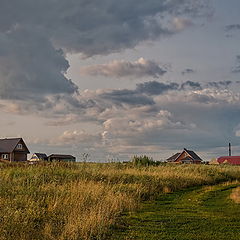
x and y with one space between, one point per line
186 156
61 158
233 160
13 150
38 157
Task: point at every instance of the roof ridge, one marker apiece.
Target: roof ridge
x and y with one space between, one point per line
10 138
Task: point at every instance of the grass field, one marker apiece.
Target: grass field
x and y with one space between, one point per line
201 213
86 201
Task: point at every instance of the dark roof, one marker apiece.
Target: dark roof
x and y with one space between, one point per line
41 155
193 155
173 158
9 144
60 156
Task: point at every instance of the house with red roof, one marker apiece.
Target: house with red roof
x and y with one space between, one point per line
186 156
233 160
13 150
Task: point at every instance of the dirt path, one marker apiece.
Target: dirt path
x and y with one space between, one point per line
204 213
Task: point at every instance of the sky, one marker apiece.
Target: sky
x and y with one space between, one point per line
121 78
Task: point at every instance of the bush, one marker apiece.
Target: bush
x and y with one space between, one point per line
143 161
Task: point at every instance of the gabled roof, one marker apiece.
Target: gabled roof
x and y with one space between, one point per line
235 160
193 155
7 145
173 158
41 155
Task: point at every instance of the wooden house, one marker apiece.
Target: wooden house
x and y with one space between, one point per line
61 158
13 150
186 156
38 157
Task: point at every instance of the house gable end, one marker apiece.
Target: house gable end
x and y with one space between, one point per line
24 147
183 155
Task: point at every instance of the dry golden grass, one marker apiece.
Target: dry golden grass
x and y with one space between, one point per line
235 195
82 201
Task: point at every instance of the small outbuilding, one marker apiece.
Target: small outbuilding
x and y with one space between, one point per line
61 158
233 160
186 156
38 157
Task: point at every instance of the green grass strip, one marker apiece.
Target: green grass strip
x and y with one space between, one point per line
201 213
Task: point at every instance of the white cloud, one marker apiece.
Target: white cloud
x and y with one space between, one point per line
172 119
138 69
76 137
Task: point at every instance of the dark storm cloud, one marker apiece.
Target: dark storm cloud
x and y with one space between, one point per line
94 27
31 66
32 34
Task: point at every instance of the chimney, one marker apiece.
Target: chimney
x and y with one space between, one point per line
229 149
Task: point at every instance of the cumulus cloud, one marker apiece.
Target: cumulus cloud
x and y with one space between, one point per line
173 118
30 66
75 137
144 92
142 119
67 109
138 69
34 38
130 131
93 28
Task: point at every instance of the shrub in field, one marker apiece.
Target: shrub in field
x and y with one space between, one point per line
143 161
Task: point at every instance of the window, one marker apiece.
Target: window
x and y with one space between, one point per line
4 156
19 146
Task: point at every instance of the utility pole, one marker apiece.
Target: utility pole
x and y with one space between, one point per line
229 149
